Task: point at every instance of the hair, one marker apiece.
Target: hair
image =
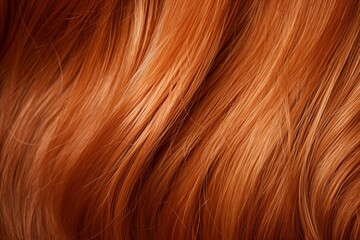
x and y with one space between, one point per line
162 119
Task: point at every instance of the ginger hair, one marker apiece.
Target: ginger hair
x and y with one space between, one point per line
184 119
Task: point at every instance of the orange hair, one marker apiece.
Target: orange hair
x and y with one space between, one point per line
184 119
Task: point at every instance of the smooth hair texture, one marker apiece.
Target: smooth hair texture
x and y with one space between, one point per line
179 119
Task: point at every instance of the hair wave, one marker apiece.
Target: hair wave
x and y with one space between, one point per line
184 119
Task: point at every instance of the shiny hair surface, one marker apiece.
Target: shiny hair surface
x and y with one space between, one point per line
179 119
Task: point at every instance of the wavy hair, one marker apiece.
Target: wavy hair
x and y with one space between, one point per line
184 119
